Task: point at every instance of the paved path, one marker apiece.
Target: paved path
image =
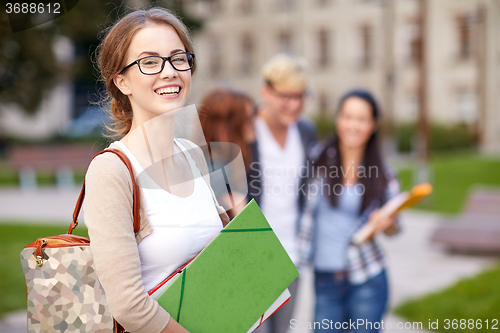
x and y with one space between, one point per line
416 267
14 323
43 205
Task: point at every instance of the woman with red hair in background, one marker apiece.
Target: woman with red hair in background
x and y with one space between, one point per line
227 117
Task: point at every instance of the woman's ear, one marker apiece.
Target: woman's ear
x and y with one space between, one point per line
121 83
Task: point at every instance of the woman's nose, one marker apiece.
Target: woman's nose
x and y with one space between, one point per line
168 71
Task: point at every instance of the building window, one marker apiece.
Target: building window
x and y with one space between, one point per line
215 6
215 52
411 105
247 50
464 29
285 42
324 48
414 30
246 6
366 46
466 105
284 4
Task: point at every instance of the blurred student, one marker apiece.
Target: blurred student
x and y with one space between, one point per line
227 116
351 184
280 155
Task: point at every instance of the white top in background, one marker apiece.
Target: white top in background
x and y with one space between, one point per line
280 171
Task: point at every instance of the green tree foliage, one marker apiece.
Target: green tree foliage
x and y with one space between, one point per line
28 66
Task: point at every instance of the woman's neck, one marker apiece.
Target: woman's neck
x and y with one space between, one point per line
151 140
351 159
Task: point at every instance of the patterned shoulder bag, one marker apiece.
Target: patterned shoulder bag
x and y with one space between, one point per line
63 291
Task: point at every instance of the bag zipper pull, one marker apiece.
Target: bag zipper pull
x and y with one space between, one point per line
39 255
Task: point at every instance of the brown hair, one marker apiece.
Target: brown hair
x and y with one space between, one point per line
112 53
223 117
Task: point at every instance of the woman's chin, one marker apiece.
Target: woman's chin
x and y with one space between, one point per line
173 105
353 144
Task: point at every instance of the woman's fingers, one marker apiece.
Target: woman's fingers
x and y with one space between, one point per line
381 221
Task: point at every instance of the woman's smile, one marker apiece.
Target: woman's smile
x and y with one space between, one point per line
169 91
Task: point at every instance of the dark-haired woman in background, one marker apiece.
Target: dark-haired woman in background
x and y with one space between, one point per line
352 183
227 116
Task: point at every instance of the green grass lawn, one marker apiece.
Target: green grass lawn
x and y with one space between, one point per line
454 174
475 298
10 177
12 239
478 298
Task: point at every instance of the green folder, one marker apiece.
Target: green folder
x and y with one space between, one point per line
234 280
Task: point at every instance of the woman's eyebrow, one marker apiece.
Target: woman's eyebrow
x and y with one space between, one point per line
176 51
148 53
156 53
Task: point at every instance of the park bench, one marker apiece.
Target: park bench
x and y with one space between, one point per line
477 230
62 159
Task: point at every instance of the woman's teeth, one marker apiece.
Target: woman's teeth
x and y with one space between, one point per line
168 90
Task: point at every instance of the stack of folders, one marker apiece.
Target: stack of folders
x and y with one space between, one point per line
235 283
395 205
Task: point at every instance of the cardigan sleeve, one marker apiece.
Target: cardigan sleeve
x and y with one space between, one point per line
109 219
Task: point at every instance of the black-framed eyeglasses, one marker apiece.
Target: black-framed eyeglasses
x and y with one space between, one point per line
150 65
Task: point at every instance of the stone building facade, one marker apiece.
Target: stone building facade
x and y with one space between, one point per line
375 44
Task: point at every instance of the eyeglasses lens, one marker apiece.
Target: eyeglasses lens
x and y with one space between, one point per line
153 64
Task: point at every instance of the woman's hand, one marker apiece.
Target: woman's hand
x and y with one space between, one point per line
174 327
382 222
239 199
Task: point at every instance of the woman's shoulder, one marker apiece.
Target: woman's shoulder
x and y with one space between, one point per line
320 147
105 167
391 175
107 160
390 171
188 143
193 149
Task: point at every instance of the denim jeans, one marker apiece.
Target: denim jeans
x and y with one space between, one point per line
340 303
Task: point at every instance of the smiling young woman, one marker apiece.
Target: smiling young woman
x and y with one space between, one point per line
350 279
146 61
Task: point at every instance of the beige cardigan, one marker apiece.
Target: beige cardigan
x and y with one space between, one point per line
108 217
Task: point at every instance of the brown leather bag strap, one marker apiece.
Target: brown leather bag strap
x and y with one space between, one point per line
135 188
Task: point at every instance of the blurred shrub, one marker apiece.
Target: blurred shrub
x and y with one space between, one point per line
404 136
442 137
325 125
452 137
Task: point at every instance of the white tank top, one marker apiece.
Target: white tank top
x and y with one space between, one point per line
182 227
